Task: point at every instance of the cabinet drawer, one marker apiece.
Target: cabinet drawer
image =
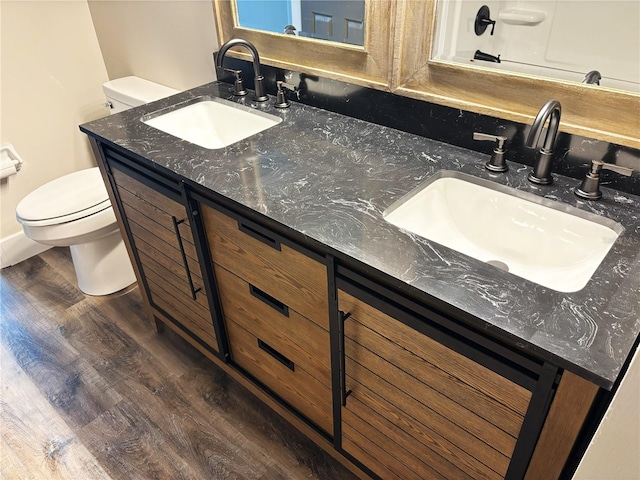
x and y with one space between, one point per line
427 407
296 337
280 374
284 273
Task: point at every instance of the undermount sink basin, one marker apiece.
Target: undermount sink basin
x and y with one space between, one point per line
210 122
550 243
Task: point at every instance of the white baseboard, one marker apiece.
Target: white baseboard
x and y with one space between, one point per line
18 247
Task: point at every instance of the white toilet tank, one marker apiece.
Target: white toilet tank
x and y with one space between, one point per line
127 92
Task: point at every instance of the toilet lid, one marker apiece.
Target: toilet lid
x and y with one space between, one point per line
65 199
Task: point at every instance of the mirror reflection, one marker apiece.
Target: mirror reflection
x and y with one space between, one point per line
595 42
332 20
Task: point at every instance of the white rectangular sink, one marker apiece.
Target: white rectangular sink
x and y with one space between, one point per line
210 122
547 242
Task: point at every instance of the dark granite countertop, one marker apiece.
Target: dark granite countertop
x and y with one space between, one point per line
330 177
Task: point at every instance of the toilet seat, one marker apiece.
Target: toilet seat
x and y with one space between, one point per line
65 199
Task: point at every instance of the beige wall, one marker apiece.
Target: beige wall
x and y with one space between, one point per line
55 55
50 82
167 42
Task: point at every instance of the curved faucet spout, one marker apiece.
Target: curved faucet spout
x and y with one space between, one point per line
240 42
541 173
260 95
592 78
550 109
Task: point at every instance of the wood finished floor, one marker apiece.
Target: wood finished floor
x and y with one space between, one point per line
89 390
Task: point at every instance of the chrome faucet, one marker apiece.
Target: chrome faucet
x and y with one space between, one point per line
541 173
260 95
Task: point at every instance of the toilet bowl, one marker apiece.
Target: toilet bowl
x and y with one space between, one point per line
75 211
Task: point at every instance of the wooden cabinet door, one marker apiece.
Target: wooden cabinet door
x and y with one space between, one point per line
418 409
165 247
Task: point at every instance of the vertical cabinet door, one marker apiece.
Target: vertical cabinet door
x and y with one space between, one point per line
164 245
417 409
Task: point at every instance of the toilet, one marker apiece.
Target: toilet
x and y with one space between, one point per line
75 211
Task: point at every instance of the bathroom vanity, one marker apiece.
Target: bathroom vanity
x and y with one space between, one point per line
399 356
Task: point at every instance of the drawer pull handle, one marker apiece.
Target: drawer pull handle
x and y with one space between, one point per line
269 300
343 373
193 290
255 233
277 355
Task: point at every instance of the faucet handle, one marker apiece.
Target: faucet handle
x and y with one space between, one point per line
589 189
238 87
497 162
597 165
483 20
494 138
281 95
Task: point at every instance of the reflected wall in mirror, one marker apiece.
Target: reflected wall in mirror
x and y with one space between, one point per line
588 41
332 20
367 64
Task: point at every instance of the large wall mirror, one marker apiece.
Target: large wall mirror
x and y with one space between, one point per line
399 37
600 112
338 39
595 42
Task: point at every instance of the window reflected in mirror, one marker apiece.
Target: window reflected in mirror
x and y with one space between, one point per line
595 42
330 20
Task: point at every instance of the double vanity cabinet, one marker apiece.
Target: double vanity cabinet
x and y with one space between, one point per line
391 385
401 358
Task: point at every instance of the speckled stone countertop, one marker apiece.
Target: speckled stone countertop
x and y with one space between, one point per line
330 177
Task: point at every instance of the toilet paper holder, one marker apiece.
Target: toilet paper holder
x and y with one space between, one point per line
10 161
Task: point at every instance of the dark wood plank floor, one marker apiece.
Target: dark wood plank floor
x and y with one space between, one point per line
89 390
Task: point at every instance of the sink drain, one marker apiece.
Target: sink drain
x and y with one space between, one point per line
499 264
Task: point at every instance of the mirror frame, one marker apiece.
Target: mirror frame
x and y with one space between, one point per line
364 65
587 110
398 59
